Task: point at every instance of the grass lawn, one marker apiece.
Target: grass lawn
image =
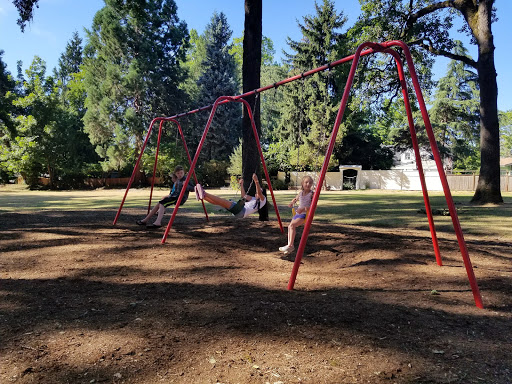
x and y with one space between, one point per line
373 208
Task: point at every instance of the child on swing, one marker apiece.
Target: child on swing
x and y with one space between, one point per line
244 207
178 177
304 197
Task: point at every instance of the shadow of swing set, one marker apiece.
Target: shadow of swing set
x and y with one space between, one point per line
363 50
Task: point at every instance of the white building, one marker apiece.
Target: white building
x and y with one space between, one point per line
405 160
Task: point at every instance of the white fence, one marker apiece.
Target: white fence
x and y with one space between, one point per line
405 180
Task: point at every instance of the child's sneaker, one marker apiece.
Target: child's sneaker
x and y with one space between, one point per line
199 192
287 249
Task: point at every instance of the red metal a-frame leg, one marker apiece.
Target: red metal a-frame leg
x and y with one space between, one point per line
137 164
451 206
223 100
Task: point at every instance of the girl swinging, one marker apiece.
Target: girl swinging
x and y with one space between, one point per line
304 198
244 207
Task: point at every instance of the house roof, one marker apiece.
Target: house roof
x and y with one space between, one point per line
505 161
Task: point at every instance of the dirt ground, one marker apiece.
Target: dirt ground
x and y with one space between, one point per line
83 301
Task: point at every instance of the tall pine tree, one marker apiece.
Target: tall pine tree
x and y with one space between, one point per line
7 126
133 73
455 113
219 78
310 105
83 160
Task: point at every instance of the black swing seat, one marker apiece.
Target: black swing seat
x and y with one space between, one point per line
237 208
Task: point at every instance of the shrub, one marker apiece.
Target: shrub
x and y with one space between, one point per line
212 173
279 185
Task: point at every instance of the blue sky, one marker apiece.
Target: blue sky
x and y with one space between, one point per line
56 20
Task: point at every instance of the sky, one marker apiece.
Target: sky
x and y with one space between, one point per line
56 20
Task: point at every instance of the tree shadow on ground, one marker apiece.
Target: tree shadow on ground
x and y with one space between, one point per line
116 301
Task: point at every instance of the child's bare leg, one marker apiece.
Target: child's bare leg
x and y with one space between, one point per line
212 199
161 211
292 230
150 214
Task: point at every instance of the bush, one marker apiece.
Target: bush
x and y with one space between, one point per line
278 185
212 173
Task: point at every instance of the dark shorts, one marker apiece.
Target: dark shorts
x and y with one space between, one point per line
299 216
238 208
168 201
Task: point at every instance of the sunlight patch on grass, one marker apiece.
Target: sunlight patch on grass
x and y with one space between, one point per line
389 209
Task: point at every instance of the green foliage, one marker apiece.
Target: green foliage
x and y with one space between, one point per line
363 147
277 157
48 140
506 133
235 161
70 60
132 74
7 125
25 11
212 173
218 78
7 94
309 107
455 113
279 185
272 103
384 20
267 53
170 155
196 54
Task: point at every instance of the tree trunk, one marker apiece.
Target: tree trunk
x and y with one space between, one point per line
251 69
488 188
51 175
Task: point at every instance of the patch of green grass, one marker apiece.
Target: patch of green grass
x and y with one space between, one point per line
375 208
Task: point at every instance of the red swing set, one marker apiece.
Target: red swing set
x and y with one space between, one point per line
363 50
219 101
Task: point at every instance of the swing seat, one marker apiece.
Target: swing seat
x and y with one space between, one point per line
294 212
237 208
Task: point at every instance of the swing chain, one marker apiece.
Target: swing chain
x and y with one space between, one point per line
325 118
254 106
299 127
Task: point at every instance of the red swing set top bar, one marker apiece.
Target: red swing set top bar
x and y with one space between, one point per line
276 84
219 101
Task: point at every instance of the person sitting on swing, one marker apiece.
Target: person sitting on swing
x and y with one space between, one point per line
178 178
304 198
244 207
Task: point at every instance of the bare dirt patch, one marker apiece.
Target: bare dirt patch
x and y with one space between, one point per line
83 301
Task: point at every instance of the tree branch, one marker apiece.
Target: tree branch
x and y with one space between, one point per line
429 9
25 10
426 44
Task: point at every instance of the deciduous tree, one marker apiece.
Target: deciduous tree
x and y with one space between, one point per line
425 25
7 125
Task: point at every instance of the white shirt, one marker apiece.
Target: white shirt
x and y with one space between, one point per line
251 206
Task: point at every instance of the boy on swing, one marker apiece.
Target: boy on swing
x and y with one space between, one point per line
178 178
244 207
